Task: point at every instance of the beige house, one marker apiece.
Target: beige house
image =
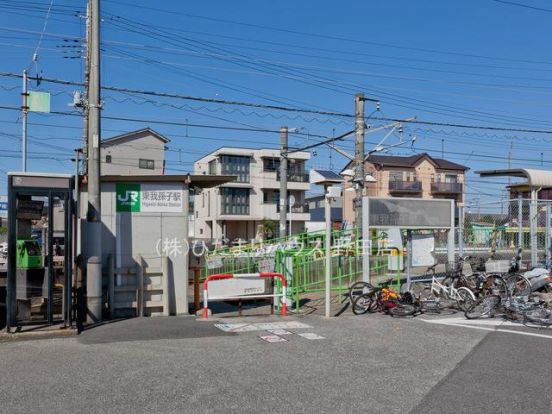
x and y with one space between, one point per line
237 210
139 152
417 175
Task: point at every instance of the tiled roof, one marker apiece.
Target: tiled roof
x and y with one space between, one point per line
411 161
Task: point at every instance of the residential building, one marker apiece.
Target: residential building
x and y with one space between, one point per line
420 176
139 152
242 209
316 204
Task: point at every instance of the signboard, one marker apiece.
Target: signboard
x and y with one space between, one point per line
422 248
29 209
38 101
411 213
149 198
214 262
236 287
4 206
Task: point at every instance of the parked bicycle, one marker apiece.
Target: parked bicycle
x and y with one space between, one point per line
517 308
451 291
383 299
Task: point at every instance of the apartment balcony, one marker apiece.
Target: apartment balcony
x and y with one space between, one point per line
271 211
295 177
446 188
412 187
296 181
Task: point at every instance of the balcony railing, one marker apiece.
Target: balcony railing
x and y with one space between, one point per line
294 209
446 188
295 177
405 186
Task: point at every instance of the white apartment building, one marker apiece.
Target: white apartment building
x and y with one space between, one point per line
237 210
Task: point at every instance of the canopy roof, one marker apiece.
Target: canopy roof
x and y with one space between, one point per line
535 178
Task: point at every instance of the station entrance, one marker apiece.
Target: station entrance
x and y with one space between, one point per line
40 250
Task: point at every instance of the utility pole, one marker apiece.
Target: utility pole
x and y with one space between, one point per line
85 97
359 157
327 250
283 178
93 216
24 110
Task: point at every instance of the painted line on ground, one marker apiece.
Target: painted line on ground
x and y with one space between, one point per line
483 328
250 327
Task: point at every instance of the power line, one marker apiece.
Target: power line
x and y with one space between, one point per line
281 108
525 6
324 36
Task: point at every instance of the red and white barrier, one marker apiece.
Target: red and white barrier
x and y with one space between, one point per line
223 276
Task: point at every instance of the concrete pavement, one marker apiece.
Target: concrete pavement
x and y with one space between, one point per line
372 364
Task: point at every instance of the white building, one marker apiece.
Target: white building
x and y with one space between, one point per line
239 209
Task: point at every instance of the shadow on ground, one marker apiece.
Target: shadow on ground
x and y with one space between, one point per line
150 329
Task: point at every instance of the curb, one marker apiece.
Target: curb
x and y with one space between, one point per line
33 336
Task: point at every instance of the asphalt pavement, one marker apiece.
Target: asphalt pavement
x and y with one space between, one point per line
371 363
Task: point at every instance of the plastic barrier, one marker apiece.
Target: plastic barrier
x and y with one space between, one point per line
223 276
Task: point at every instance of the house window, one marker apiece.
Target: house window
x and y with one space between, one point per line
396 176
451 178
236 165
271 197
213 167
271 164
146 164
108 159
234 201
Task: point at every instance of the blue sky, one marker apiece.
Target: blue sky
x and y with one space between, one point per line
479 62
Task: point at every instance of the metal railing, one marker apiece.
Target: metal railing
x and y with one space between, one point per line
295 177
408 186
447 188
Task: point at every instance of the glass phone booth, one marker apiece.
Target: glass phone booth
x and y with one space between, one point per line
40 259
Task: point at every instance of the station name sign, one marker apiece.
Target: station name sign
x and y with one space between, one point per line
149 198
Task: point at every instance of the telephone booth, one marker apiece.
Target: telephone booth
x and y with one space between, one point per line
40 259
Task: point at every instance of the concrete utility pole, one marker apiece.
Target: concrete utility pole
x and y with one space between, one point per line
85 97
359 157
24 110
327 248
283 178
93 216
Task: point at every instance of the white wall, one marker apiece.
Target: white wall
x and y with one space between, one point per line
129 235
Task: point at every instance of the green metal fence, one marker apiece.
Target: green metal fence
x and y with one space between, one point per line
301 259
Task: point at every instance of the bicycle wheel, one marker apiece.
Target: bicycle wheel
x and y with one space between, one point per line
466 298
495 285
364 303
483 307
518 285
403 309
358 289
541 317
